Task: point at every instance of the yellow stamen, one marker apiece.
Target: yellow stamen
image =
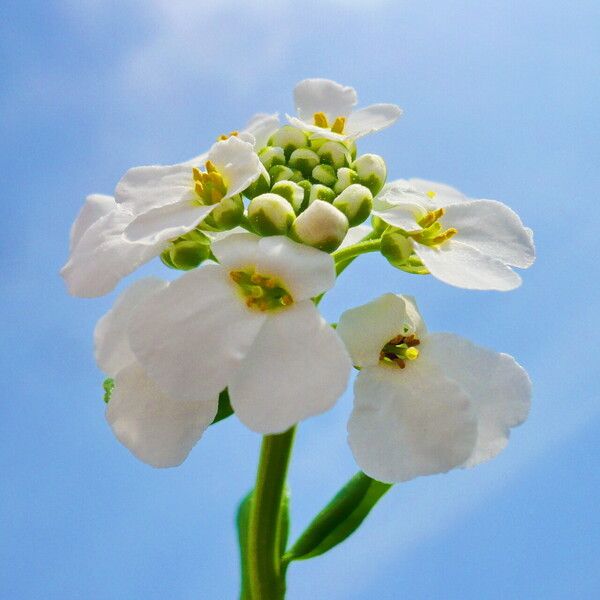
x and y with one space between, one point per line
431 217
444 237
199 188
226 136
338 125
320 119
196 174
411 353
210 167
431 194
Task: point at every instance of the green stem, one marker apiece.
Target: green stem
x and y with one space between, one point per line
266 576
345 254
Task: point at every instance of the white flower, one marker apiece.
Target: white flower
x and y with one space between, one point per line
425 403
156 428
467 243
100 252
326 109
247 324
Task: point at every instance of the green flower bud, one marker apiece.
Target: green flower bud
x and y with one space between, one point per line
270 214
379 225
334 154
319 191
280 173
304 160
371 171
187 252
292 192
321 226
345 177
289 138
227 214
324 174
396 248
307 187
271 156
356 202
260 186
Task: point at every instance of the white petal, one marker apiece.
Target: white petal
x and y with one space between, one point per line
95 207
191 336
370 119
305 271
439 194
323 95
462 266
160 431
297 368
492 228
237 251
400 205
110 336
103 256
144 188
262 126
498 387
198 161
367 328
237 162
166 223
408 423
319 132
355 235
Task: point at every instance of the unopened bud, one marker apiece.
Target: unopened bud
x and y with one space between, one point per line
334 154
270 214
225 215
304 160
396 248
356 202
307 187
260 186
345 177
187 252
289 138
271 156
378 224
371 171
324 174
321 226
318 191
292 192
280 173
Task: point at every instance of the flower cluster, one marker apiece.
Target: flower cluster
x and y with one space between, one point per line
262 224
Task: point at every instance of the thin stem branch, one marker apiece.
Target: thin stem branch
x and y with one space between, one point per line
266 576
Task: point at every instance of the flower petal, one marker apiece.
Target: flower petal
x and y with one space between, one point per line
319 132
323 95
492 228
498 387
355 235
460 265
237 250
237 162
158 430
95 207
372 118
166 223
262 126
408 423
297 367
367 328
103 256
144 188
110 336
305 271
191 336
399 205
439 194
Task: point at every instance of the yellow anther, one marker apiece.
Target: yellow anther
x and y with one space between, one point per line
270 283
445 236
320 119
411 353
226 136
287 300
237 276
196 174
199 188
431 217
210 167
431 194
338 125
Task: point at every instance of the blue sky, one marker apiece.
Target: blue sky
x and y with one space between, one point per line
500 99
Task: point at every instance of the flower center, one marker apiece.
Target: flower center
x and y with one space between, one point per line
261 292
400 349
320 120
209 186
432 233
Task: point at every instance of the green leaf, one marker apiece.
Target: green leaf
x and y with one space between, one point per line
339 519
224 409
242 519
108 385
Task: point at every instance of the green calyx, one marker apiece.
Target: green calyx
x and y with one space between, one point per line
261 292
